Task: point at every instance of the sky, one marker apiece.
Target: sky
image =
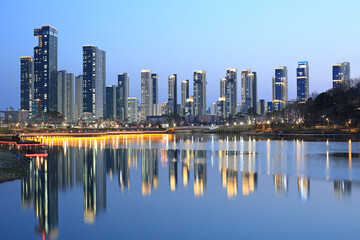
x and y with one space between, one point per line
181 36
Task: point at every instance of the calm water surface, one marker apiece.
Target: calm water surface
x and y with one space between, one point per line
186 187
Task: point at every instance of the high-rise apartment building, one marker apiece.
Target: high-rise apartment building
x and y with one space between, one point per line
221 107
111 98
65 95
260 109
26 83
248 90
172 94
69 97
280 88
302 79
213 108
45 67
94 81
340 73
78 97
146 94
199 92
133 111
231 91
122 96
185 94
222 87
189 107
155 82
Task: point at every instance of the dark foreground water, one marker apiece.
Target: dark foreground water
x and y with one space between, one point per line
186 187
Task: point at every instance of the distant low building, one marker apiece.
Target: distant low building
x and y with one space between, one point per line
203 119
156 119
13 116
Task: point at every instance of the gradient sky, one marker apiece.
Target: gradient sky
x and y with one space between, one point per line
181 36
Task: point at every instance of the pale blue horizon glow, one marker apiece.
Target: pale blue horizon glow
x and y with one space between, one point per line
181 36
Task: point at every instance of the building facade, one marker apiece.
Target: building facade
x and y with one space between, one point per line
199 92
189 107
231 92
340 73
221 107
172 94
146 94
26 83
248 90
133 111
185 94
122 96
302 80
78 97
155 93
280 88
45 67
111 102
94 81
260 109
65 95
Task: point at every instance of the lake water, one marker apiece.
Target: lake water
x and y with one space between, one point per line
186 187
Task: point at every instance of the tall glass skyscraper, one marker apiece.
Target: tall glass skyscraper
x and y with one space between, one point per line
146 94
280 88
122 97
231 91
341 73
172 94
45 67
26 83
65 95
94 81
133 103
185 94
302 78
111 98
248 90
199 92
78 97
155 83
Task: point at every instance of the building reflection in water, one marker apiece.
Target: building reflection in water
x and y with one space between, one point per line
199 172
123 157
149 171
249 182
304 188
40 188
173 168
248 167
86 162
342 188
185 155
94 178
229 172
281 184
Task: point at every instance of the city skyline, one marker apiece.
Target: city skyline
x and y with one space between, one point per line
200 53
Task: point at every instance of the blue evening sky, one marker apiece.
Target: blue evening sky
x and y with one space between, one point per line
181 36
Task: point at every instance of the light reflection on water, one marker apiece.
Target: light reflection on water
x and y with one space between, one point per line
236 166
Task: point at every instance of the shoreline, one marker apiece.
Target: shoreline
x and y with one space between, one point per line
246 131
13 166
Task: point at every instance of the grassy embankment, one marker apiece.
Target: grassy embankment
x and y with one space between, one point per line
12 166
